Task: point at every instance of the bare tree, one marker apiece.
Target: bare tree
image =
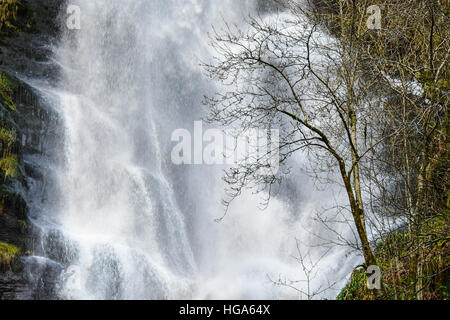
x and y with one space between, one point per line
285 72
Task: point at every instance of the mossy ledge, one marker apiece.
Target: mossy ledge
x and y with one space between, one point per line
8 255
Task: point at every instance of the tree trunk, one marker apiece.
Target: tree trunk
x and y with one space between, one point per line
358 217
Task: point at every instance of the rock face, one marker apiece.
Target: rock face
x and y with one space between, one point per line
30 131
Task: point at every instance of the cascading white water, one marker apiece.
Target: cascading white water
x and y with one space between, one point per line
142 227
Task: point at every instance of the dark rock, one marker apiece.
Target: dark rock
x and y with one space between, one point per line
27 53
37 280
23 56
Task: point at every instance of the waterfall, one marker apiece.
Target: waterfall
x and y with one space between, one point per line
141 227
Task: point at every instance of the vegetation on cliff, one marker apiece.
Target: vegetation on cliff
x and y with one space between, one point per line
7 88
398 267
14 16
9 159
8 254
8 13
9 167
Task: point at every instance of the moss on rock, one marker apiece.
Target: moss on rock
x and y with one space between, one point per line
8 254
7 89
14 16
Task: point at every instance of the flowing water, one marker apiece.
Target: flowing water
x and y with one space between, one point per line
140 227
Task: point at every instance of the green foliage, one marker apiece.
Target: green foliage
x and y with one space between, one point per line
356 289
10 166
9 161
23 224
8 254
7 140
14 16
7 88
8 13
395 257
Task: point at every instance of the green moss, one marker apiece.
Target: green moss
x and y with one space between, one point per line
356 289
14 16
10 166
396 261
7 89
9 162
8 13
23 223
8 254
7 139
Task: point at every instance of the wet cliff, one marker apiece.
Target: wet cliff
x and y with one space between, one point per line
29 130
